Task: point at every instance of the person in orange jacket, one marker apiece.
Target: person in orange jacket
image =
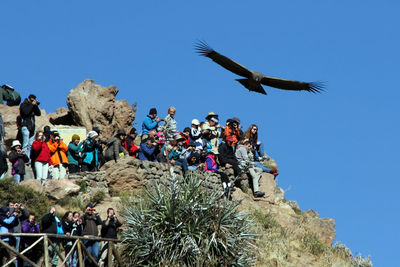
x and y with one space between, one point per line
232 129
58 153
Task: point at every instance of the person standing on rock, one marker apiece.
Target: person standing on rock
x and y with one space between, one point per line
41 157
150 123
114 146
100 143
18 158
58 154
75 147
169 128
90 152
28 110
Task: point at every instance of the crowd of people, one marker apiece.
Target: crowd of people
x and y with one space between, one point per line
15 218
205 146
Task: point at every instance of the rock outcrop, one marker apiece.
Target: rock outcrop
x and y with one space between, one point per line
92 105
54 189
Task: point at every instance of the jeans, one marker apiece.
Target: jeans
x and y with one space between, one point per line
53 255
41 170
27 141
259 151
18 178
93 249
259 165
255 174
183 163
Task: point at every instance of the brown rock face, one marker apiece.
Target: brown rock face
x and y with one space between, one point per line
10 114
59 189
94 105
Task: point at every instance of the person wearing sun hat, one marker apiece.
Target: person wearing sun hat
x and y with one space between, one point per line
212 125
75 147
18 158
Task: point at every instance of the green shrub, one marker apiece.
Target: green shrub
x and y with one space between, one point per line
82 184
72 203
97 197
180 224
265 220
312 244
34 201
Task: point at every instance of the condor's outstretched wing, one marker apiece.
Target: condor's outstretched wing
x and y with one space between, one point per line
203 49
314 87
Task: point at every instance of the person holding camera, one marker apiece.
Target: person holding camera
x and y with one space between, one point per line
90 152
213 126
150 123
28 110
7 221
109 229
91 219
59 160
31 226
148 150
52 224
115 149
21 214
18 158
75 147
41 157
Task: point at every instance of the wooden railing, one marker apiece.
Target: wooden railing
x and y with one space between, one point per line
78 246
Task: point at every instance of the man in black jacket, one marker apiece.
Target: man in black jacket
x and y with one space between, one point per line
28 110
52 224
109 229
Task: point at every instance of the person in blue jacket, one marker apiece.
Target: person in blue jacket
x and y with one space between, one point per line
150 123
7 222
148 150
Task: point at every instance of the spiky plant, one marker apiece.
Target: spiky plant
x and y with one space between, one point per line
178 223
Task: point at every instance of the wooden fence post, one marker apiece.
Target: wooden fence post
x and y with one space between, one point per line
46 251
80 258
109 253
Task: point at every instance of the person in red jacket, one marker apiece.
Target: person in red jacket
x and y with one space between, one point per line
129 144
41 157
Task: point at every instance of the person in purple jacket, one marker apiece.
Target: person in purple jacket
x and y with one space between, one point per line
31 226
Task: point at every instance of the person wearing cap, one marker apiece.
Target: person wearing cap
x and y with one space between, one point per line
169 128
41 157
91 219
150 123
58 154
75 147
148 150
232 129
195 134
100 143
90 152
28 110
212 126
228 159
18 158
114 146
129 143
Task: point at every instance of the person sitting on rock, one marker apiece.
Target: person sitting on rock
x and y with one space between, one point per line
129 143
41 157
75 147
210 163
228 159
257 148
232 129
8 94
247 167
115 148
195 134
58 154
194 161
186 135
148 150
90 152
150 123
212 126
18 158
169 128
176 156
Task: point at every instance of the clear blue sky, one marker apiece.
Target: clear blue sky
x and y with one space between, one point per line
337 151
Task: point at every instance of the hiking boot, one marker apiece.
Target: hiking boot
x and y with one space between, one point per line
232 189
258 194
